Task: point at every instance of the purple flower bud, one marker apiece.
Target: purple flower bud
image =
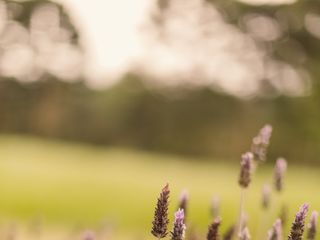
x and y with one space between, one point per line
183 204
178 227
244 234
312 227
261 142
161 221
213 231
246 169
266 193
279 171
297 227
276 232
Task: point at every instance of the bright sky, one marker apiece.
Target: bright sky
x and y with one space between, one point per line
111 34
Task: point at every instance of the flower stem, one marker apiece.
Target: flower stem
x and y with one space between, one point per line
241 210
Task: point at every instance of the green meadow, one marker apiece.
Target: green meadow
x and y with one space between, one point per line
65 185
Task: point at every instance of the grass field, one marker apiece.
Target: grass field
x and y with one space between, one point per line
72 185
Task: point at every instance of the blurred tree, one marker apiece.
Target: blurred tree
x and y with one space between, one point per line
203 122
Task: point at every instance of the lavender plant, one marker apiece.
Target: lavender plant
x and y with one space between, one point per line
161 221
312 226
246 169
213 231
297 227
261 142
244 181
279 171
178 227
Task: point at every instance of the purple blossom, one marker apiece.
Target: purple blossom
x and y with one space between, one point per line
312 227
178 227
161 221
297 227
213 231
279 171
261 142
246 169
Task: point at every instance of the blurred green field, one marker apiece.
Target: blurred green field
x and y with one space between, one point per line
66 184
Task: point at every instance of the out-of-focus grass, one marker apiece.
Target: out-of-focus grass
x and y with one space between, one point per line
83 185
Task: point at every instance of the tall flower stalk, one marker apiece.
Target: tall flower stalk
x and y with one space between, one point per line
312 227
298 224
278 178
279 172
246 170
261 142
244 182
213 230
179 227
161 221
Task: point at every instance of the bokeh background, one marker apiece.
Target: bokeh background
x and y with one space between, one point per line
103 102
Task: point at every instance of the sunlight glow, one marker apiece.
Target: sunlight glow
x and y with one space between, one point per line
193 46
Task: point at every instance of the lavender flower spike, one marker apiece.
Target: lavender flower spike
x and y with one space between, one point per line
246 169
312 227
276 232
178 227
161 221
266 193
213 232
245 235
261 142
183 204
279 171
297 228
